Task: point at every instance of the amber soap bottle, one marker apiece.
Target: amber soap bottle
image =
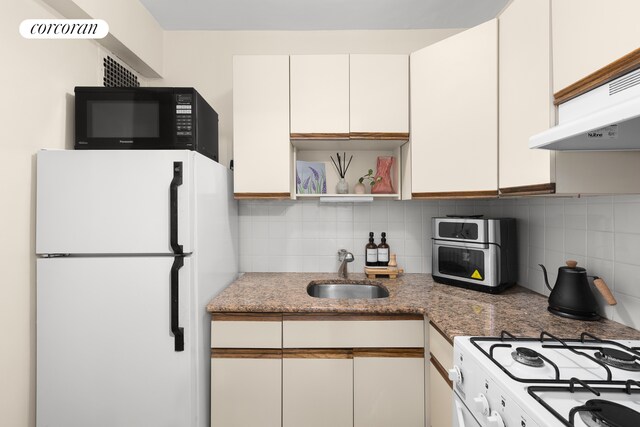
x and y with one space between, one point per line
371 251
383 251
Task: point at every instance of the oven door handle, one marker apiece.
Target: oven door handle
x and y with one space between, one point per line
460 244
458 413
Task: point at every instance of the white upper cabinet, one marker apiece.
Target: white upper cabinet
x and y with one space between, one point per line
320 95
379 94
261 146
589 34
526 105
454 115
342 96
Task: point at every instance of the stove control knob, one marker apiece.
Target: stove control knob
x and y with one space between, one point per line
455 375
482 405
495 420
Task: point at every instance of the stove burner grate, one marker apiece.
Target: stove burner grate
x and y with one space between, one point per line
599 413
527 357
618 359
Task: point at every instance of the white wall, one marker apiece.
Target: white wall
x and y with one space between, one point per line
601 233
37 77
203 59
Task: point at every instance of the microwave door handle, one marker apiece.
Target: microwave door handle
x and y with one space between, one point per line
178 332
173 202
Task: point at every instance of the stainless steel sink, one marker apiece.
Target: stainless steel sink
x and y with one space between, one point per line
347 290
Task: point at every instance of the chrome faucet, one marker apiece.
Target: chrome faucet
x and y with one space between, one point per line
344 257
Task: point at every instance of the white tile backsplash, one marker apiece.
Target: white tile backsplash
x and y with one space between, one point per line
602 233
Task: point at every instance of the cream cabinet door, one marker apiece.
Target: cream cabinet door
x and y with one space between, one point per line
261 147
379 93
589 34
526 105
317 390
440 399
454 115
246 392
389 391
320 94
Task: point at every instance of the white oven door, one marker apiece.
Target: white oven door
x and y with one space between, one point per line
462 417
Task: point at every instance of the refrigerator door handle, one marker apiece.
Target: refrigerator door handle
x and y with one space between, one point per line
178 332
173 201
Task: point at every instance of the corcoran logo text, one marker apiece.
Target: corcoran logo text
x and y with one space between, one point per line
64 28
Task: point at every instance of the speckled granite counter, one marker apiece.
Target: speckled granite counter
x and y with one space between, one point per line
454 311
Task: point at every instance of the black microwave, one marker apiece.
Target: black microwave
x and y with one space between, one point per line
155 118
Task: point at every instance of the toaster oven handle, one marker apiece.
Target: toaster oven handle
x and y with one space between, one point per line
173 202
462 244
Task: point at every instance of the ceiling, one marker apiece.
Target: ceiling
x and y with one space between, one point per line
321 14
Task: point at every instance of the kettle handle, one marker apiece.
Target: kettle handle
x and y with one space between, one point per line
604 291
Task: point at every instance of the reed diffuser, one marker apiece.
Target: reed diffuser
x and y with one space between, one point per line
342 187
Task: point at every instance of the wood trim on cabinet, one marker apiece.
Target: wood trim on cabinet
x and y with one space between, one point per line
245 353
612 71
349 316
528 190
261 195
247 317
317 353
445 336
456 194
380 136
443 372
318 136
409 352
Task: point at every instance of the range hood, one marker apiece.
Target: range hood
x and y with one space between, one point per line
606 118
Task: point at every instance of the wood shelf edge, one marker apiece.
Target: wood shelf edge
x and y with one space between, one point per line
612 71
241 196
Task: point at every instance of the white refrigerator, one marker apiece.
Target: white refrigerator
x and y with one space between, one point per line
131 246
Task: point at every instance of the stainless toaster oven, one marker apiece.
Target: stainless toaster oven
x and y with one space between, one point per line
475 253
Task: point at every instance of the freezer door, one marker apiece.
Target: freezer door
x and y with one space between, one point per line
114 202
106 354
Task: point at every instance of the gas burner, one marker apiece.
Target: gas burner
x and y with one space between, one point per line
609 414
528 357
618 359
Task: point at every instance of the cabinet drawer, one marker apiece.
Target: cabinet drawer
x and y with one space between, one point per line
440 348
246 330
352 331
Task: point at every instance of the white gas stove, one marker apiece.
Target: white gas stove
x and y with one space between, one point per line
546 381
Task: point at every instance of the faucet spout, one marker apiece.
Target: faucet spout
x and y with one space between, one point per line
344 257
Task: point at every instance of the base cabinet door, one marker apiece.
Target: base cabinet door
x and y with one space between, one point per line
317 391
440 399
389 391
246 392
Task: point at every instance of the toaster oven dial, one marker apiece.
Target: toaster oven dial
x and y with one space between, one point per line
482 404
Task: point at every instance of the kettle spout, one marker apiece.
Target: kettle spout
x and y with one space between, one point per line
546 279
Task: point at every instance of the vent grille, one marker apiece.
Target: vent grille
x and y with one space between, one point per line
623 83
115 75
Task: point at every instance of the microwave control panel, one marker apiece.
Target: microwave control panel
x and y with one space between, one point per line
184 115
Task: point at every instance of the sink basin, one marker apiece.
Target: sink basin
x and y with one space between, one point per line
347 290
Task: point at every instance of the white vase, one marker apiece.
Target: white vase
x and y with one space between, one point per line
359 188
342 187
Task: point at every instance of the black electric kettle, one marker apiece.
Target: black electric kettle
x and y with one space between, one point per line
572 297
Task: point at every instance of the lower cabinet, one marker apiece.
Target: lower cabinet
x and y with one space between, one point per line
246 389
317 389
330 370
440 388
388 389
